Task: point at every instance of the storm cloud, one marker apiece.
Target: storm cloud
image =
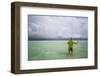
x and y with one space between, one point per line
57 27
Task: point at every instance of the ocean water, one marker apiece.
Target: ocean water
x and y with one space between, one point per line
56 49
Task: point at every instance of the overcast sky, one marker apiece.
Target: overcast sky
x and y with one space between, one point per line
56 27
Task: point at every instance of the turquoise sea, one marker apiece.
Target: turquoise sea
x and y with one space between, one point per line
56 49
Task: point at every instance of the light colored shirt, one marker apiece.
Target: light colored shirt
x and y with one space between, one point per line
70 43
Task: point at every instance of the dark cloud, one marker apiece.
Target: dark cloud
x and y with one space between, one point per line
51 27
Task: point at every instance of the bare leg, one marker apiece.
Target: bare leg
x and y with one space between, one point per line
71 51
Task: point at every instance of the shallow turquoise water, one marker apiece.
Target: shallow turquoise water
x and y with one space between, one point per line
55 49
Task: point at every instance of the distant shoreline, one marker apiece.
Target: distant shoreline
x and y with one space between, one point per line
53 39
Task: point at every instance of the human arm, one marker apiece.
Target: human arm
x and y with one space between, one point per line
76 42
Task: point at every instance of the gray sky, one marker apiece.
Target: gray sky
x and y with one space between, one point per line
56 27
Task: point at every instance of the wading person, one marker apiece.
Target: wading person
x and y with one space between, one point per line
70 46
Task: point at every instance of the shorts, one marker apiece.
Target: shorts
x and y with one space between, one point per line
70 49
